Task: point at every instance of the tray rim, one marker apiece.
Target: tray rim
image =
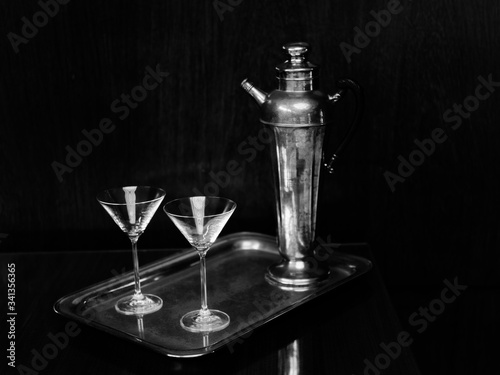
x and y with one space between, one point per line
185 255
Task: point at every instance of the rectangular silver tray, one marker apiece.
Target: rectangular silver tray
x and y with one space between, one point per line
236 265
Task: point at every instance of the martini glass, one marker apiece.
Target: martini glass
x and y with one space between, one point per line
132 208
200 220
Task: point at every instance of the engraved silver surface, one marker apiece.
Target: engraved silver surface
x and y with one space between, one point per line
296 156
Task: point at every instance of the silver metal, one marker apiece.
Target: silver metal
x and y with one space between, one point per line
296 158
289 359
296 115
236 264
296 102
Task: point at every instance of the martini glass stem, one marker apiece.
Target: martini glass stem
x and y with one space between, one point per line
203 276
137 294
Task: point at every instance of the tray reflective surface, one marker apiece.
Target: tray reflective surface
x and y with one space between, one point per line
236 268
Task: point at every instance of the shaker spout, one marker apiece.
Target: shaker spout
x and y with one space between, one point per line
257 94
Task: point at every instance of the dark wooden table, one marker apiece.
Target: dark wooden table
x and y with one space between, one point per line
342 332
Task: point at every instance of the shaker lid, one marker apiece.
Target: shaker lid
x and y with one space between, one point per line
297 67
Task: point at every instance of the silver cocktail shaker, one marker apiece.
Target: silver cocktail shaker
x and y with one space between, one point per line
295 115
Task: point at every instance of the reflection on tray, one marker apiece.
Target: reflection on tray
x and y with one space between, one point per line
238 263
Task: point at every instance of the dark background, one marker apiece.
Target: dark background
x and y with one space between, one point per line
441 223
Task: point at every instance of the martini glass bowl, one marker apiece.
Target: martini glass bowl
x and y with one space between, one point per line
201 219
132 208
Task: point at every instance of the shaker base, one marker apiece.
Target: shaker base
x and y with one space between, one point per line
297 275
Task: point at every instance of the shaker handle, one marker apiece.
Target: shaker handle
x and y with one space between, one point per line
347 84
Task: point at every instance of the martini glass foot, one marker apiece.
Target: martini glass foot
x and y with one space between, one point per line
139 306
197 321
